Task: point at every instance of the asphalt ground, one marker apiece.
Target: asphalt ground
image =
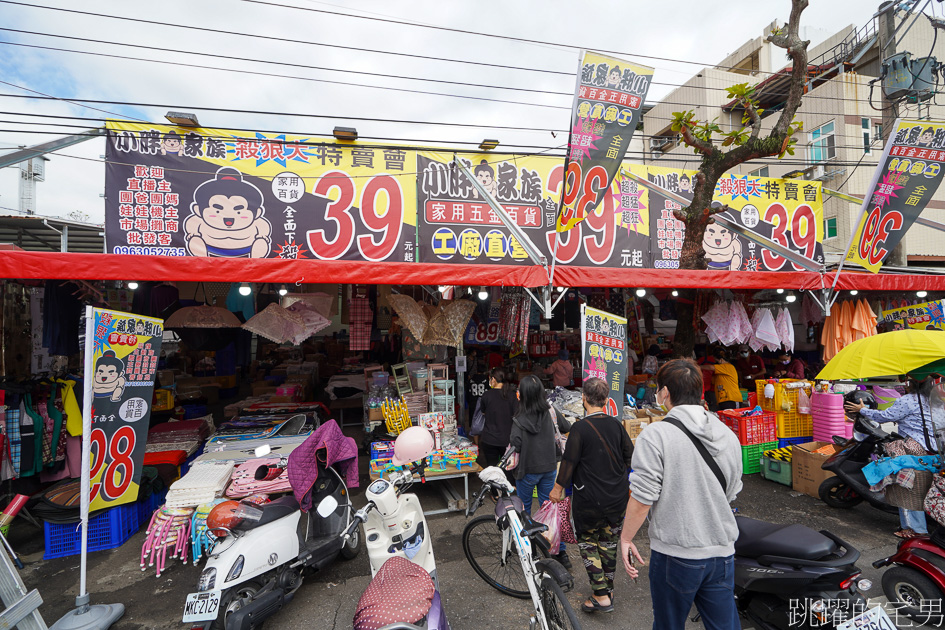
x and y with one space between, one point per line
327 599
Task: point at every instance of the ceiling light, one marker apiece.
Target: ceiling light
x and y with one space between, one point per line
488 145
675 293
183 119
853 292
132 285
791 297
442 288
483 295
921 294
345 133
641 292
245 289
283 290
559 289
780 291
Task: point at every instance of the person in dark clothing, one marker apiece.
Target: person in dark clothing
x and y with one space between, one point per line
750 367
595 463
498 406
533 437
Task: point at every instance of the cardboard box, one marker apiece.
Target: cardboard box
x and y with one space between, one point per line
375 415
807 473
263 388
634 426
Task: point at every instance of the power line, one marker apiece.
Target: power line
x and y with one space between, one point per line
667 84
546 151
297 133
285 63
288 40
281 76
44 96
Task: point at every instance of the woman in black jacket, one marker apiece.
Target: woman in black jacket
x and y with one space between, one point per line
533 437
498 405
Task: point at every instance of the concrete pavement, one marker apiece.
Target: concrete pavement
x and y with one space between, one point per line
327 599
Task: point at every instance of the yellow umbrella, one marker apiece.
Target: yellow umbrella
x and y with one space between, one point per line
887 354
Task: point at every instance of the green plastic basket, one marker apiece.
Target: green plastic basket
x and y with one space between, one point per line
751 456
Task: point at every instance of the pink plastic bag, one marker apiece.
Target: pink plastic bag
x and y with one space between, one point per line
547 514
803 401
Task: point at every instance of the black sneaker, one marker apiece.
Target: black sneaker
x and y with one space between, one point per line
563 559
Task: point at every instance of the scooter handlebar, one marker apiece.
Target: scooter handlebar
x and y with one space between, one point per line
359 517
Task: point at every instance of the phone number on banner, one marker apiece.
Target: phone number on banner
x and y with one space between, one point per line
150 251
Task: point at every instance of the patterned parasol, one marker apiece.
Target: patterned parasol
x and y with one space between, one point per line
312 319
410 313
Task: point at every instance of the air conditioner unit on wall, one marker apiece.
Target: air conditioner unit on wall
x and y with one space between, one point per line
660 143
817 172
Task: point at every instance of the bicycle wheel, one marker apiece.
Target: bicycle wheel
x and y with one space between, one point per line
558 612
482 544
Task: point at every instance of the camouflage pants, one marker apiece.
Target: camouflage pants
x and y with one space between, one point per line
599 551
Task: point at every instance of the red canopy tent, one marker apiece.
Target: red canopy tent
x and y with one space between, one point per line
74 266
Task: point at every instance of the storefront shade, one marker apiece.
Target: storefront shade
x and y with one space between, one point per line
887 354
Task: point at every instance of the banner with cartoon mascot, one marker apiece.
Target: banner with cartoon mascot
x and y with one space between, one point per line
177 191
122 364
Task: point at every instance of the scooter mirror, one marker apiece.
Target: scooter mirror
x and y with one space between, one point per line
328 505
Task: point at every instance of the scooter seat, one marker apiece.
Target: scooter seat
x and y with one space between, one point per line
758 538
271 511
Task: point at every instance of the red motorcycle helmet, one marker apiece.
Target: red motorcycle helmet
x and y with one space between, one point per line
224 515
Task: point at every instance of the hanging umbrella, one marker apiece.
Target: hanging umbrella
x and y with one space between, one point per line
410 312
202 317
320 302
275 324
887 354
313 321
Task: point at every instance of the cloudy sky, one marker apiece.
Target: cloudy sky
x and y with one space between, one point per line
675 38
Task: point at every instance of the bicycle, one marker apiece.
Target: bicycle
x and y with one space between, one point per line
495 540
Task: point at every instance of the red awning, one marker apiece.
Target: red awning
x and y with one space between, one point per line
59 266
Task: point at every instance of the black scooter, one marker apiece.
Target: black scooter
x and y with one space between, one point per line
791 577
850 487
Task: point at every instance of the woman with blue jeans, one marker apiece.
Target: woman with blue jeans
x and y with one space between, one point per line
533 437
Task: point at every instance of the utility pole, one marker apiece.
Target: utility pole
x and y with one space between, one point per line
887 48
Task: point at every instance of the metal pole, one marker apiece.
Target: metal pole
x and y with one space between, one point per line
82 600
887 44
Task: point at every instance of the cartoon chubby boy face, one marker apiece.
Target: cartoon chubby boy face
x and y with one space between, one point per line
716 237
613 78
106 374
172 144
484 177
926 138
228 213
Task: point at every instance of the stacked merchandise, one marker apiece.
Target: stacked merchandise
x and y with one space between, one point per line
757 433
789 399
454 452
829 419
204 482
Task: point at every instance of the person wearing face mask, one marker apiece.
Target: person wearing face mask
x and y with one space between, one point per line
687 495
498 405
788 367
595 464
750 367
724 381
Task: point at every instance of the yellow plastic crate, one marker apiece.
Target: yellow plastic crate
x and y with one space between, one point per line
782 394
791 425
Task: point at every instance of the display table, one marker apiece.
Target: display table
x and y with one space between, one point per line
454 502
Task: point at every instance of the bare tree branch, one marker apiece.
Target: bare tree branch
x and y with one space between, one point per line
797 50
719 209
702 146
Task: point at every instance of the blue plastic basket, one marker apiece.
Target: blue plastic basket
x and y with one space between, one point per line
794 440
107 530
146 508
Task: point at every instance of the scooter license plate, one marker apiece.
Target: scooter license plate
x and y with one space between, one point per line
873 619
201 606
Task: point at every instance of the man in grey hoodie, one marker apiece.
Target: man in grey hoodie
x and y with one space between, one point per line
692 529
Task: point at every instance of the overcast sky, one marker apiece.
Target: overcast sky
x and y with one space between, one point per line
689 30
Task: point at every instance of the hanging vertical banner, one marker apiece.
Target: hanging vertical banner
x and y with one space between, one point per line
908 174
607 107
604 354
122 364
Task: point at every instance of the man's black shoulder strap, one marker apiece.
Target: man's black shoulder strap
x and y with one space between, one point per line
709 460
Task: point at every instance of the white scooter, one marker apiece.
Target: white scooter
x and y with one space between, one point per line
394 526
256 568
